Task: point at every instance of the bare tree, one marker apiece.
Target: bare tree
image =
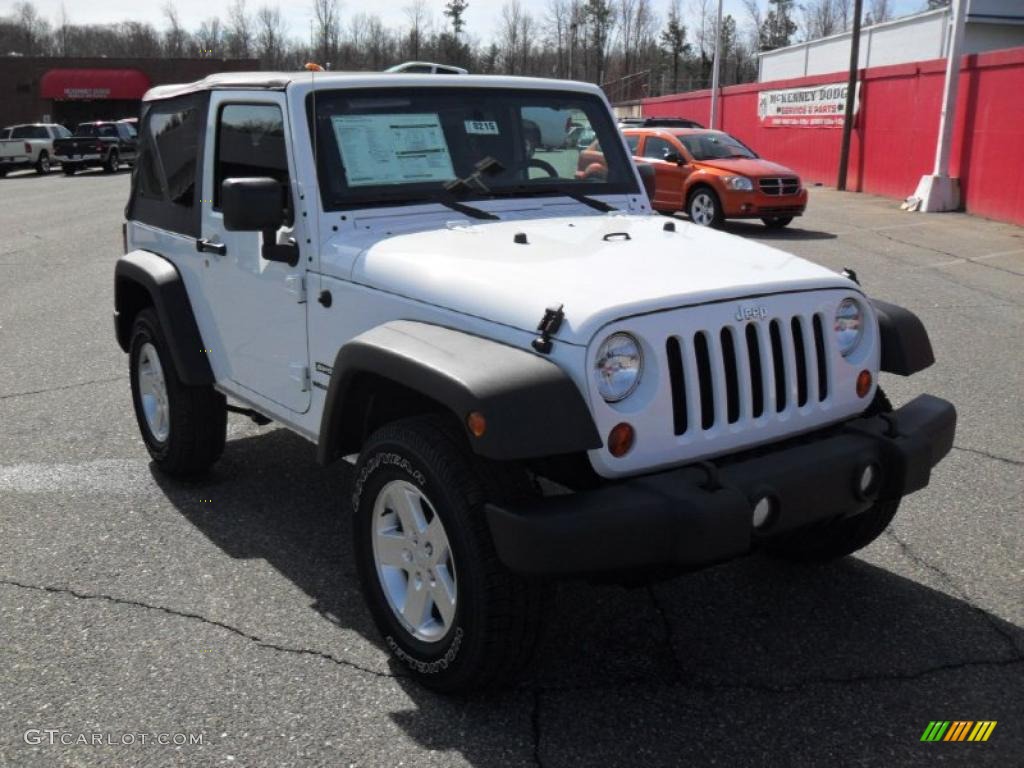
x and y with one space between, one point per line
878 11
208 39
271 40
326 28
238 35
419 18
175 37
62 35
819 19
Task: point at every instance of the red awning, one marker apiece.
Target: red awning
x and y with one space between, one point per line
79 84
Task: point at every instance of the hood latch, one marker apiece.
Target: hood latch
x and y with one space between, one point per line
549 324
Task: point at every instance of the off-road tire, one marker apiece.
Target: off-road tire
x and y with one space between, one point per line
198 414
777 222
697 201
498 613
840 538
43 163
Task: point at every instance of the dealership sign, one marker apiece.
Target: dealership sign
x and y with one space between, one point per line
814 106
86 93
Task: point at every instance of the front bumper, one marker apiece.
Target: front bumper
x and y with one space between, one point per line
740 205
703 514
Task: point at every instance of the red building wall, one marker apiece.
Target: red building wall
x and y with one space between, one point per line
896 128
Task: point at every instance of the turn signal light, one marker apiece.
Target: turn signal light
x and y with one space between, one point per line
476 423
863 383
620 439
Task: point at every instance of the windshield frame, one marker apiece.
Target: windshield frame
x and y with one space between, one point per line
612 146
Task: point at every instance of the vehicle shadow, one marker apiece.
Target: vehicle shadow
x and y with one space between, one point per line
670 674
793 232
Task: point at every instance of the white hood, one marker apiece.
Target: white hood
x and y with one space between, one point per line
585 263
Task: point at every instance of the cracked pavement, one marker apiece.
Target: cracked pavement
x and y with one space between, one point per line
128 605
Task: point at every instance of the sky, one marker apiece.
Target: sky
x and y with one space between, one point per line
482 17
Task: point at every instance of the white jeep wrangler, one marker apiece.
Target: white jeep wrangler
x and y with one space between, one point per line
534 375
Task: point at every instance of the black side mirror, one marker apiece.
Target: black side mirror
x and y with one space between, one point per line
258 205
674 157
252 204
647 176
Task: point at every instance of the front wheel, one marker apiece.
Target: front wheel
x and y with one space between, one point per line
445 605
184 427
777 222
704 208
113 163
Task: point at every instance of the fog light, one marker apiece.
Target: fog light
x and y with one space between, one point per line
620 439
764 510
867 481
476 423
863 383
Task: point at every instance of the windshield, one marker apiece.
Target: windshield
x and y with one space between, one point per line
92 129
714 146
423 144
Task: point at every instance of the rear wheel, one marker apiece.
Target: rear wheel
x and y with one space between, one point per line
704 208
446 606
840 538
43 163
777 222
184 427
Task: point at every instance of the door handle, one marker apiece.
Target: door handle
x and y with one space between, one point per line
206 246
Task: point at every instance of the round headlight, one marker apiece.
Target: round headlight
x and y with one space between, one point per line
849 325
617 367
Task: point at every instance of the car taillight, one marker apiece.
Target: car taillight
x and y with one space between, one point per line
28 148
99 146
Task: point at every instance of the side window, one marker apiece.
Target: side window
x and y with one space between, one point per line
657 148
169 170
250 142
633 142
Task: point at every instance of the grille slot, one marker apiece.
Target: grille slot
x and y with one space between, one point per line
743 371
707 389
678 382
776 186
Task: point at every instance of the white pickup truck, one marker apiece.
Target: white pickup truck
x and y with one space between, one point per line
29 146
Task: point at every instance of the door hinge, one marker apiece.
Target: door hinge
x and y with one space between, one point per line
299 373
296 285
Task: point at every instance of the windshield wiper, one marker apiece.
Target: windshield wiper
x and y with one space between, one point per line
448 200
579 197
593 202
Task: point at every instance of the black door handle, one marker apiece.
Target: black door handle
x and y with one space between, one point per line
205 246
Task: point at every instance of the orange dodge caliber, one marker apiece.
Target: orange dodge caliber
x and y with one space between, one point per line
713 176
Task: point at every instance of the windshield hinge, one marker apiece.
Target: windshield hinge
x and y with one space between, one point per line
549 325
296 285
299 373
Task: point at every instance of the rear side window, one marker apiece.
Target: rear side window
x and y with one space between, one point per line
60 132
165 184
250 143
30 132
632 142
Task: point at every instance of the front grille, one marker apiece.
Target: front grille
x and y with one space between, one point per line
739 372
784 185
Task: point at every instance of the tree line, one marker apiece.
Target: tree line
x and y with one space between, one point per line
632 48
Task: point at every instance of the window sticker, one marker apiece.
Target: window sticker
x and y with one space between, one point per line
392 149
482 127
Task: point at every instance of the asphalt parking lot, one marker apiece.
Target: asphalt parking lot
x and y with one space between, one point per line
229 607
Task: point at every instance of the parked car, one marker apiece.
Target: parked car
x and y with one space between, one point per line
97 145
712 176
29 146
411 291
658 122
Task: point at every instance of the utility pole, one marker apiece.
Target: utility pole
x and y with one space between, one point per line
715 67
851 94
939 192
